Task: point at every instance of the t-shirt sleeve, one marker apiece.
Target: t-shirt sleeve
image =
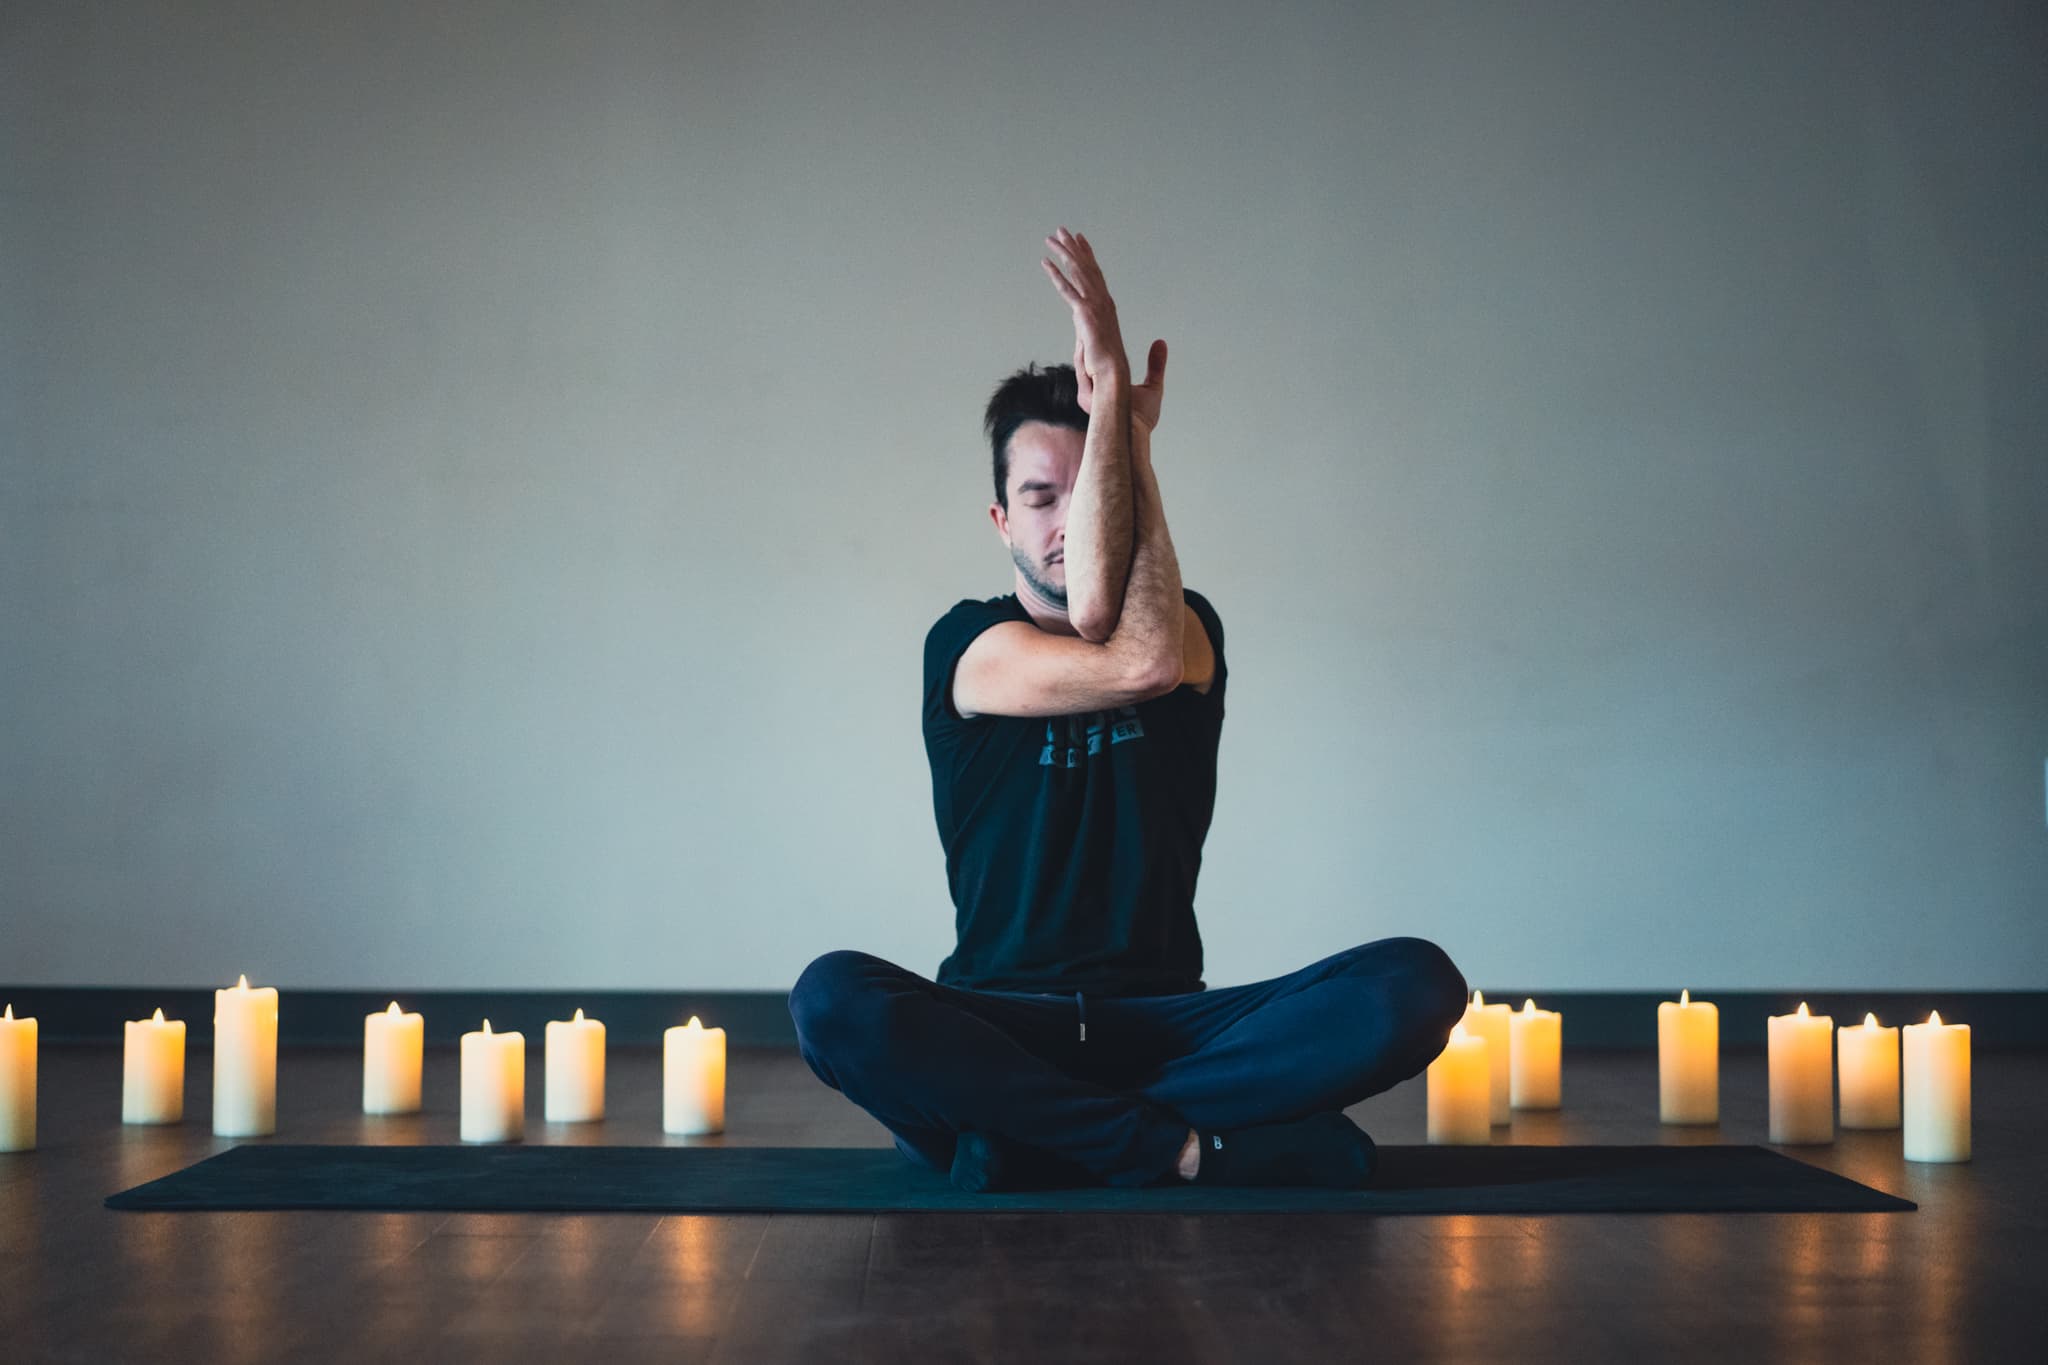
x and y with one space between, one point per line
1212 623
944 643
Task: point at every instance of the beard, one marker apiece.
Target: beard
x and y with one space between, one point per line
1037 577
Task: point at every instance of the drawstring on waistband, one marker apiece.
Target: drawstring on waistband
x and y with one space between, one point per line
1082 1006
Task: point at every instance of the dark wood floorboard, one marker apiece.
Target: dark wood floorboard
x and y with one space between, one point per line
1954 1282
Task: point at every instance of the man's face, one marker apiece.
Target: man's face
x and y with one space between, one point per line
1044 462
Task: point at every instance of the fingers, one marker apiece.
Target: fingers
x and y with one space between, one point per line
1078 244
1059 282
1079 258
1080 283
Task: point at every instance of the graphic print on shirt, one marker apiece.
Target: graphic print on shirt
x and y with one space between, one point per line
1083 735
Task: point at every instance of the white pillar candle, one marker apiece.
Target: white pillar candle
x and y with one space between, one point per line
153 1070
575 1070
1536 1047
394 1048
1688 1060
1868 1058
1491 1023
693 1079
1937 1091
493 1086
245 1061
1460 1091
17 1083
1802 1077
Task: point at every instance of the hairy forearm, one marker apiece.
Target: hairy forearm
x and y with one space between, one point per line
1154 614
1100 524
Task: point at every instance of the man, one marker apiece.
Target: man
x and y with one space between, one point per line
1072 730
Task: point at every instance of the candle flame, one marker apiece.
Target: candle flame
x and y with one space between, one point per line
394 1010
10 1012
1685 997
487 1026
579 1016
1802 1009
1528 1007
1870 1021
693 1023
158 1017
1934 1016
1478 999
1458 1033
243 984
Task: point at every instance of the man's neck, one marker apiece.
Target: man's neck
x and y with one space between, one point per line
1045 613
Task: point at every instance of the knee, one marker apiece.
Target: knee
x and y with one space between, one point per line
825 987
1437 990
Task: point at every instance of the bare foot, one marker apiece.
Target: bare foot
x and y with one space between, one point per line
1190 1156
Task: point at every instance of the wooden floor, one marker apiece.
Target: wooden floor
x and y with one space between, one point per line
1956 1281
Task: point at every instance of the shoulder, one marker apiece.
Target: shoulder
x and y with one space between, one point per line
971 614
963 622
947 641
999 607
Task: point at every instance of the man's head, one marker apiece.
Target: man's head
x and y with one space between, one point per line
1036 431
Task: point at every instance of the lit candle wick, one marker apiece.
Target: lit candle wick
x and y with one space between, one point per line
158 1017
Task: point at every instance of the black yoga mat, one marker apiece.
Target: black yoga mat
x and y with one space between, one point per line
1414 1179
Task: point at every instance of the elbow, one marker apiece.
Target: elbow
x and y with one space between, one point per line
1093 622
1158 679
1092 627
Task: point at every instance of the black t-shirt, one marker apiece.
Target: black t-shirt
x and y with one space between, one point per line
1072 842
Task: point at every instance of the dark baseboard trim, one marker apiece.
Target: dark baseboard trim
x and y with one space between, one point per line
1998 1020
78 1014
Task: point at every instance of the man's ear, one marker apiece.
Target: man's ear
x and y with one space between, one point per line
1001 519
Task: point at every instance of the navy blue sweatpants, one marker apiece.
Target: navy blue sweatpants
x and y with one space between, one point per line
1113 1083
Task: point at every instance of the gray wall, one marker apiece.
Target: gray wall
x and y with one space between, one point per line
474 479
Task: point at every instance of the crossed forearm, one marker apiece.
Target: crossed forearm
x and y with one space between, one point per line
1100 523
1154 616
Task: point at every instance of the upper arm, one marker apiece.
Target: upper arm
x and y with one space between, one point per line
1197 653
1015 669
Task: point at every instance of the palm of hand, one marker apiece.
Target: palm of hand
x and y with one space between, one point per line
1146 397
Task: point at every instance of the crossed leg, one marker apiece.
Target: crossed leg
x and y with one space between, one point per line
928 1060
1321 1038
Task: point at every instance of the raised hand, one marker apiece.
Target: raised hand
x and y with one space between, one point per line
1098 344
1082 293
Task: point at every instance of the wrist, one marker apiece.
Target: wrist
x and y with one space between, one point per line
1141 439
1116 377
